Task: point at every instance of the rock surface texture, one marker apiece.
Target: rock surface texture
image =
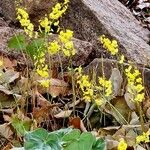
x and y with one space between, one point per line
35 8
83 48
91 18
105 66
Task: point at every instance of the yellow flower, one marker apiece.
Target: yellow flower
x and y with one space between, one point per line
44 83
1 63
121 59
139 88
45 23
122 145
24 20
42 73
21 12
106 86
143 138
111 46
66 1
139 80
65 36
135 87
58 10
69 45
66 52
139 97
98 101
53 47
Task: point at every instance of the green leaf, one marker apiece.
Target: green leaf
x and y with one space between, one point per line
61 132
35 47
17 42
100 144
40 139
73 135
21 126
84 142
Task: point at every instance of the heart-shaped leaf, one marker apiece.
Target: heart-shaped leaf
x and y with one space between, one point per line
40 139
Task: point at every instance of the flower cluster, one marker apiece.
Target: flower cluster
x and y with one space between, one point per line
111 46
106 86
121 59
68 46
53 18
91 92
25 22
58 11
53 47
45 23
122 145
145 137
45 82
134 87
42 69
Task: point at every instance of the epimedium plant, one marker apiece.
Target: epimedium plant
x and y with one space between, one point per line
35 45
63 139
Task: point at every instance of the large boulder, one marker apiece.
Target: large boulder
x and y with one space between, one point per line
83 48
104 67
35 8
91 18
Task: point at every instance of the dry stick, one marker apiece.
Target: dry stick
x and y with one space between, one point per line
24 60
61 66
86 108
91 110
141 117
73 86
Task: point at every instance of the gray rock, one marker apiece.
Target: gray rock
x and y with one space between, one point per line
91 18
104 67
83 48
35 8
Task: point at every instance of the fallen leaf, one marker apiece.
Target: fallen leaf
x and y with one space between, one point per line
57 87
9 76
63 114
6 131
128 98
134 119
116 79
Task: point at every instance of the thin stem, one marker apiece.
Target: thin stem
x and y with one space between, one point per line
141 116
73 87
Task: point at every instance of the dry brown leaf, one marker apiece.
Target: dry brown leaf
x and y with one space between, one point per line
6 131
130 137
116 79
41 101
148 113
9 76
63 114
128 97
7 118
57 87
41 114
111 143
7 147
77 123
134 119
7 63
119 134
121 112
5 90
